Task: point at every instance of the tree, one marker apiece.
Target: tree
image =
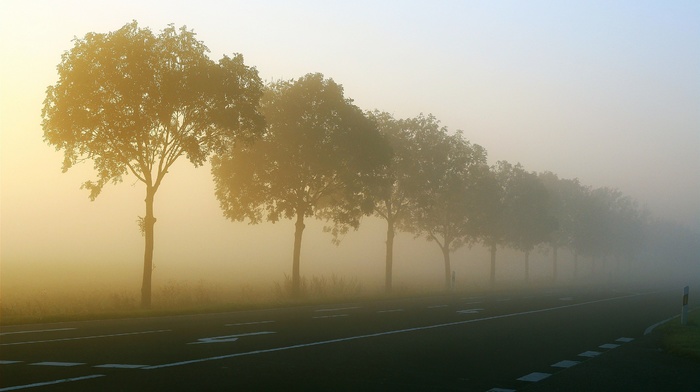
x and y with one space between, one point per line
519 216
393 193
530 221
133 103
565 203
445 205
493 228
316 159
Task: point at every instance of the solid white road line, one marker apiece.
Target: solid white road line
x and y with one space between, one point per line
60 364
41 384
651 327
9 362
37 331
323 342
86 337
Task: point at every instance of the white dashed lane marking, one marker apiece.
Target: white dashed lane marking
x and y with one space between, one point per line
60 364
469 311
589 354
609 346
331 316
228 338
250 323
624 340
120 366
390 311
534 377
337 309
565 364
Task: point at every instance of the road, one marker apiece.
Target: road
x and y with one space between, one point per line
489 342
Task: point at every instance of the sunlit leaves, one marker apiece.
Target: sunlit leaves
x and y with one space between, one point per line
133 102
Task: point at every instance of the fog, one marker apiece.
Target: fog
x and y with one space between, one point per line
606 93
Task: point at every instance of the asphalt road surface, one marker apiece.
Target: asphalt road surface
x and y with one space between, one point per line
489 342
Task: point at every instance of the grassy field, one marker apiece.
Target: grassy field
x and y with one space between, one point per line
175 297
683 340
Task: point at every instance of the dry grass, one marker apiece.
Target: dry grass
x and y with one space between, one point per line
174 297
320 288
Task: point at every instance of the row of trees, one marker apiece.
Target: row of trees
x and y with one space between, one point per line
134 102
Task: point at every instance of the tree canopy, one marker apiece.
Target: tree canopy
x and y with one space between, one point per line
133 102
444 197
316 158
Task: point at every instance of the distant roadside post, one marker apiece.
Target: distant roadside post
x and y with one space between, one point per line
684 309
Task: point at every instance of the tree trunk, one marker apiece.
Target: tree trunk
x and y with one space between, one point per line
527 266
554 263
296 280
148 222
389 254
493 264
446 257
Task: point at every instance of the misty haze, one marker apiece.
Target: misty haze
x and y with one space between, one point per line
290 196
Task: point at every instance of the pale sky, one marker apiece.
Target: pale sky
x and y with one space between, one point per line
604 91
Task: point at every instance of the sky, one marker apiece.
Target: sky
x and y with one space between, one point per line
606 92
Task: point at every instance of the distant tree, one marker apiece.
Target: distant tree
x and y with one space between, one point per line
493 229
629 227
594 235
396 186
530 220
444 203
316 159
522 217
135 102
565 198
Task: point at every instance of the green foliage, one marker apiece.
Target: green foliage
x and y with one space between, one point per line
445 189
315 159
133 102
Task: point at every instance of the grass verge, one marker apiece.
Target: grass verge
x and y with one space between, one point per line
683 340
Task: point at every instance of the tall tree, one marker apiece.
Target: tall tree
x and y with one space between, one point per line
316 159
493 229
565 203
445 203
530 220
520 214
396 181
134 102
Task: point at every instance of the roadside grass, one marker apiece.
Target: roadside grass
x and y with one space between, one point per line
179 297
683 340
